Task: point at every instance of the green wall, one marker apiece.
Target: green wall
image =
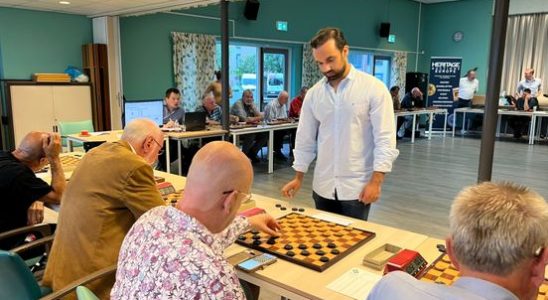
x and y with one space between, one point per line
36 41
473 18
147 47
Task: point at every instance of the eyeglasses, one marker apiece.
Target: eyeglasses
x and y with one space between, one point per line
159 145
538 252
246 198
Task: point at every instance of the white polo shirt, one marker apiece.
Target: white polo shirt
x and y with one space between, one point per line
467 88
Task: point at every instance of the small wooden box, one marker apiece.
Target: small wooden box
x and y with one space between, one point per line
377 258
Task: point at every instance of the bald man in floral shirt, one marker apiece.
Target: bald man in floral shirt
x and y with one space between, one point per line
177 253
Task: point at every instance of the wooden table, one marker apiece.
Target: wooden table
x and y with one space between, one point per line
51 214
114 135
427 111
296 282
179 137
264 128
500 113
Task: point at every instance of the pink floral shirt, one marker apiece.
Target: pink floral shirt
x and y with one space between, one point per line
170 255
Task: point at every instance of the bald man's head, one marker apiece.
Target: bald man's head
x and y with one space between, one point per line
283 97
218 171
145 137
31 145
31 150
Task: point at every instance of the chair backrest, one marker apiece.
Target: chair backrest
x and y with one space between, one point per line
83 293
66 128
16 280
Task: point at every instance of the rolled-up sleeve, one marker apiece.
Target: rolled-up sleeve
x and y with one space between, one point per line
306 140
384 131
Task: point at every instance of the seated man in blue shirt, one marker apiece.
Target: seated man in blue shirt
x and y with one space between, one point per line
498 239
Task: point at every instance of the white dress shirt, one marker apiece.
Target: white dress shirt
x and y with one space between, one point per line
351 130
275 111
467 88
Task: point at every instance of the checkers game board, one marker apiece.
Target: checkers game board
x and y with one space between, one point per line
442 271
308 241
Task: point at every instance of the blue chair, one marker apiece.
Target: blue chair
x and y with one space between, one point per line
16 280
83 293
66 128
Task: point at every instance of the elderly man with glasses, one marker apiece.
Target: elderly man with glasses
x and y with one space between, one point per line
112 187
498 239
177 252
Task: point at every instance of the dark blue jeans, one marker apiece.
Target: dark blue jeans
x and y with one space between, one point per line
350 208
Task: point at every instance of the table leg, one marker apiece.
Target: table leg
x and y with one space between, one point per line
463 130
168 157
270 151
179 142
430 126
70 145
454 121
532 130
498 125
413 128
445 124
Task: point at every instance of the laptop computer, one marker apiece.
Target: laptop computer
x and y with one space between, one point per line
195 121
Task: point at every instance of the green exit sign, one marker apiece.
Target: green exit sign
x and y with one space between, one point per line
392 38
281 25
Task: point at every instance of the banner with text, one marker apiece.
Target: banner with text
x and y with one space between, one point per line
444 79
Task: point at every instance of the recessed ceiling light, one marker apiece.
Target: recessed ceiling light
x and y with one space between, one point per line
64 2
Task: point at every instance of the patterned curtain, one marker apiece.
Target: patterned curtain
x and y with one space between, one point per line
311 74
397 72
193 65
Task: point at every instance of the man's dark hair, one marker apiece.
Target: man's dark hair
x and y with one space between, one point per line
218 75
528 91
325 35
394 88
172 90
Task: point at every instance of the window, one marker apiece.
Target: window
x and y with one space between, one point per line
382 69
244 66
361 60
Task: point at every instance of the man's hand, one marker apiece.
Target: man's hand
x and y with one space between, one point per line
291 188
35 213
170 124
372 190
51 143
370 193
265 223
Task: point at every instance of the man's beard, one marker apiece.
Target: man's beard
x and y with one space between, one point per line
335 75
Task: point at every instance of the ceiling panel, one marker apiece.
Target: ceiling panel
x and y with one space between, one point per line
95 8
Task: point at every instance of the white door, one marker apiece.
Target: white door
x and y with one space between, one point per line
71 103
32 110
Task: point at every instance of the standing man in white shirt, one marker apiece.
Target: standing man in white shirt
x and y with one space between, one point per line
347 121
468 86
530 82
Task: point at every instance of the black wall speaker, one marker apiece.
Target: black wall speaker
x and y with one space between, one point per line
414 79
384 31
251 9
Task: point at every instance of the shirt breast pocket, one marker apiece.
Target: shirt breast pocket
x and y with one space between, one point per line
359 109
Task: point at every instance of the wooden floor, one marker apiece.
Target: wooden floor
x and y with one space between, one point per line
427 175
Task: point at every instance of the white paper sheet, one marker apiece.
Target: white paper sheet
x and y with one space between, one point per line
355 283
334 219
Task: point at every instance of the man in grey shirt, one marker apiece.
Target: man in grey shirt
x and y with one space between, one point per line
497 241
246 111
277 110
